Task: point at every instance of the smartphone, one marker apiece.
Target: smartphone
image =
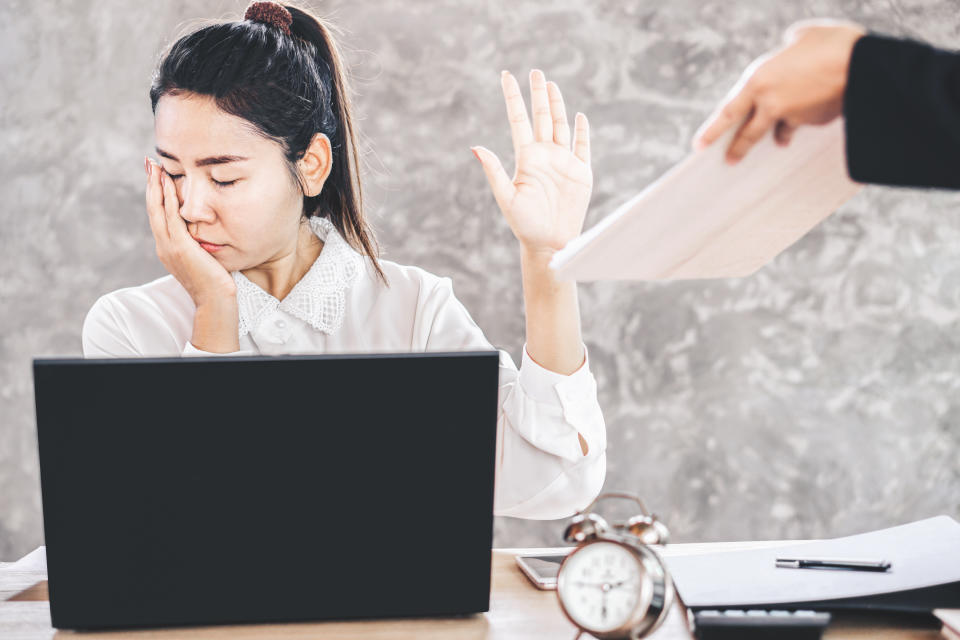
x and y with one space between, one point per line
541 569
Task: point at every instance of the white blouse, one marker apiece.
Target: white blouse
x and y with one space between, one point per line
340 306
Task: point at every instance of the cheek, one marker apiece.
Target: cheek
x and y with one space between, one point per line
260 216
276 192
260 228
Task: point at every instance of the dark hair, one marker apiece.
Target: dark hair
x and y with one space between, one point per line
289 87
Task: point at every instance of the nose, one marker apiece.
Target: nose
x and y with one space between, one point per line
194 201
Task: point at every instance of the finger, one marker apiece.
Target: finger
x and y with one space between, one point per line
730 113
154 198
748 135
540 103
581 138
516 112
561 128
798 29
500 182
802 27
171 207
783 132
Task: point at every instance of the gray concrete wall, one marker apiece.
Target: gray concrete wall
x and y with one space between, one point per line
815 398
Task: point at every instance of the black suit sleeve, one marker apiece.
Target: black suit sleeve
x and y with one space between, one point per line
902 111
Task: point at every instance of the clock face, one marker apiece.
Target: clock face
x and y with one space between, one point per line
600 586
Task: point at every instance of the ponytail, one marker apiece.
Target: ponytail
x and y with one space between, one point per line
345 195
290 86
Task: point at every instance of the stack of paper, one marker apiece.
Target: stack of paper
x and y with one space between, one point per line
24 573
924 573
708 219
951 622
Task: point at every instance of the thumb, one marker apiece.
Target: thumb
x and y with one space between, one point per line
800 28
500 183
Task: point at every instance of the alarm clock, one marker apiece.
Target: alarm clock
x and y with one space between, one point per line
613 585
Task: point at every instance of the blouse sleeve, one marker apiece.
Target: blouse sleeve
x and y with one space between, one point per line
105 332
113 330
541 470
190 350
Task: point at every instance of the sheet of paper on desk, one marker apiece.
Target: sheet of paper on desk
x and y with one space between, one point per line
950 618
922 554
36 560
707 219
24 573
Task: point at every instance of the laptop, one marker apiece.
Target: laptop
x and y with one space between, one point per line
195 491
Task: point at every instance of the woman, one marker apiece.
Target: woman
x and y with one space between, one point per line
257 214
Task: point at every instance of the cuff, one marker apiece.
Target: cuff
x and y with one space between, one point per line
577 396
542 384
191 351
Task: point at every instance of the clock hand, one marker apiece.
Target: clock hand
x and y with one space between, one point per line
603 585
620 584
589 584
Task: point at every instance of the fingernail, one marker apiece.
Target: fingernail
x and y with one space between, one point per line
146 165
476 155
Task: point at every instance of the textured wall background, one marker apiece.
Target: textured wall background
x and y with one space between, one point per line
816 398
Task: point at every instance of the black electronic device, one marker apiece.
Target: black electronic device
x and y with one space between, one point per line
757 624
192 491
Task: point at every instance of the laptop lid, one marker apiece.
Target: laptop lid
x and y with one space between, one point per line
187 491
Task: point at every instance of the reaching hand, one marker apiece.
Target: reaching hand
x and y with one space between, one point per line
802 83
546 200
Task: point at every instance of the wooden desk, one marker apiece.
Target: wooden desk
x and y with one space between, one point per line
517 610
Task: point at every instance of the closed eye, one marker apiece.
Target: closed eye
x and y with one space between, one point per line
216 182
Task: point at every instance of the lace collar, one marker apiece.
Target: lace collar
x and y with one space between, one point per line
318 298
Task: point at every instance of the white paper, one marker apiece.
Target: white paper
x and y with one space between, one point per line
922 554
26 621
707 219
36 560
949 617
23 574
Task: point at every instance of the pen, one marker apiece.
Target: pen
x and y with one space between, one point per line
833 563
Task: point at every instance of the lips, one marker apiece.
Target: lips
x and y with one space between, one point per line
209 246
212 244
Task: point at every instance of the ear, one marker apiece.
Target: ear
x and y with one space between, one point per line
315 164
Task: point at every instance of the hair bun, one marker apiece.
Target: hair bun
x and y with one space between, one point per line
270 13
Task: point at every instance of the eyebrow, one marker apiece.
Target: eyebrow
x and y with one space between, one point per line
203 162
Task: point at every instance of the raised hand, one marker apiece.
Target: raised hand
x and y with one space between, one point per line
546 200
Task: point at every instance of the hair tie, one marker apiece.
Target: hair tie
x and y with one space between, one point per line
270 13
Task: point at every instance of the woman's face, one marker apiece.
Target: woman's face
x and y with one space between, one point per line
233 184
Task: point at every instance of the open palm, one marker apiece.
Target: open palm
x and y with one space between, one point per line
546 200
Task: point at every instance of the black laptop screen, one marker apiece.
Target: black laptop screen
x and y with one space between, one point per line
214 490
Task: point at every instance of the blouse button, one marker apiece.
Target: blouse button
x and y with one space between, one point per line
281 323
